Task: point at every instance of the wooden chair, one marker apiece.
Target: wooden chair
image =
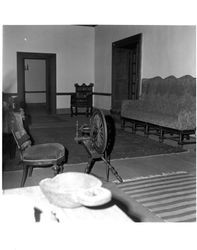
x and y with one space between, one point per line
82 98
41 155
9 104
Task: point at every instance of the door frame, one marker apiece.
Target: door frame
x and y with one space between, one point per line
127 43
50 77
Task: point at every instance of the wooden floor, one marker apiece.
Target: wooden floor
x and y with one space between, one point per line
127 168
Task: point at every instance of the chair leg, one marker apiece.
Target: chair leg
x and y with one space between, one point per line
61 168
24 177
30 170
107 172
71 111
122 123
57 169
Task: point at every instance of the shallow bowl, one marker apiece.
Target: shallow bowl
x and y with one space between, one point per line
75 189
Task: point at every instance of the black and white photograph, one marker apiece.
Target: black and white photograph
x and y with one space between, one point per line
98 128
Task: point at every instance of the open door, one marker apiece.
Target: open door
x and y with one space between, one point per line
120 76
50 77
126 68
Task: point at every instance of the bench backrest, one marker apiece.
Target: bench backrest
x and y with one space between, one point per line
169 95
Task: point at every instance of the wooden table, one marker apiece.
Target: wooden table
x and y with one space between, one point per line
30 199
103 227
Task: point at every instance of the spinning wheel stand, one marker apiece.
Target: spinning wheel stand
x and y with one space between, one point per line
96 139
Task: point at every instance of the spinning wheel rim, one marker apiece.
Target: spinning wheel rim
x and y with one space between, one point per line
98 131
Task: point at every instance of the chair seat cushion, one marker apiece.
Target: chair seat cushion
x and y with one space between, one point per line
44 152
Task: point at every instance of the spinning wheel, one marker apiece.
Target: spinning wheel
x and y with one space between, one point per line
98 132
98 142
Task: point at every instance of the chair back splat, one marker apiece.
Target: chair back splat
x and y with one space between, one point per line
20 135
82 99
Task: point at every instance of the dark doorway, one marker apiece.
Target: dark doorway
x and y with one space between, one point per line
126 68
50 78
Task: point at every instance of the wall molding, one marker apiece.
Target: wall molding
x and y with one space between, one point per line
10 94
101 93
94 93
65 93
60 93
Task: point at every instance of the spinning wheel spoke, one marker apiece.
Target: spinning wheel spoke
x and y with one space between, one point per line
99 131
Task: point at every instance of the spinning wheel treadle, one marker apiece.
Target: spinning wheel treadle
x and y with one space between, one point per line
97 142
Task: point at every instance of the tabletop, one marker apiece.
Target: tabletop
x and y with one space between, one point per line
30 203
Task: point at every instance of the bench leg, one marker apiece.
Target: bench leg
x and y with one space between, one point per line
181 137
161 136
187 137
134 128
146 131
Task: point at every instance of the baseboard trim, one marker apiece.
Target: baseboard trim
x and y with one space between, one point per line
67 111
63 111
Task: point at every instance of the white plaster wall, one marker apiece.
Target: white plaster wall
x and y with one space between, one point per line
84 54
166 50
73 45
